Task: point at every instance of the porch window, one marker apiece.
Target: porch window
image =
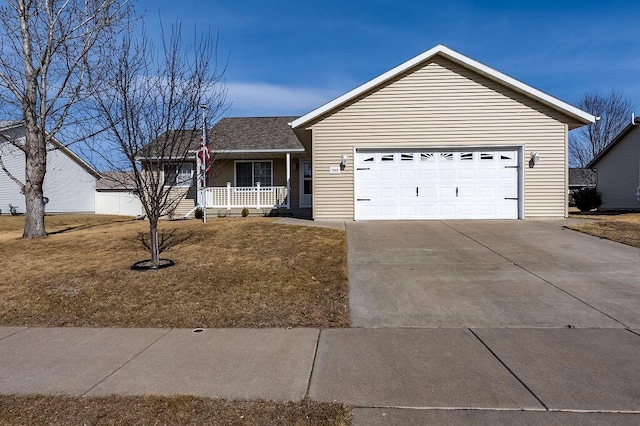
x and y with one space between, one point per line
249 173
178 174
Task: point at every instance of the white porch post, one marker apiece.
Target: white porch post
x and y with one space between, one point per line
228 195
258 195
288 205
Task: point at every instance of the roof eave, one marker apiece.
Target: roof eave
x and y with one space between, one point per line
549 100
258 151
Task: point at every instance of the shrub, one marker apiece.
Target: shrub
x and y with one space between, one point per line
245 212
199 213
587 199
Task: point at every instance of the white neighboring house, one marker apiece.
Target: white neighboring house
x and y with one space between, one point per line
69 184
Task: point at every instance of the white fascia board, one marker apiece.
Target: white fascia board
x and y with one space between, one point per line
253 151
519 86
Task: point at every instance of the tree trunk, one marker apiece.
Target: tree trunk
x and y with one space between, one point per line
34 220
36 165
153 247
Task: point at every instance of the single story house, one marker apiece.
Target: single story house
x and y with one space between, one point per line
618 170
69 183
440 136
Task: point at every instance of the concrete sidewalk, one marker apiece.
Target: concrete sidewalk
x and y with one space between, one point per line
402 376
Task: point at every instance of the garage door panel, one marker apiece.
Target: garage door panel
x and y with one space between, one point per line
447 192
427 174
388 175
407 192
427 192
467 174
449 184
447 174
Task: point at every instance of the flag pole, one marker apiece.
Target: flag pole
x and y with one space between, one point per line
203 167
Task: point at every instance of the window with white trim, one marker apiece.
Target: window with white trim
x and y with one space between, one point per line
249 173
178 174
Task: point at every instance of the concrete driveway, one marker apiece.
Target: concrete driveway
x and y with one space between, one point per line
489 274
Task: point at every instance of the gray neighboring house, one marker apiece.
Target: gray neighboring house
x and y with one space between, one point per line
69 184
618 170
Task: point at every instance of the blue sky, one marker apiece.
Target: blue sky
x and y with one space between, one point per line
288 57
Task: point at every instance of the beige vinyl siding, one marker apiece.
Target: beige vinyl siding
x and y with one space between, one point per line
187 201
619 173
226 173
186 196
441 104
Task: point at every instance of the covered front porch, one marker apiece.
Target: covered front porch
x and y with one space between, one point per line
259 182
258 163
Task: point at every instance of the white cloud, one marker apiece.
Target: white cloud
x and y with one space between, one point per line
264 99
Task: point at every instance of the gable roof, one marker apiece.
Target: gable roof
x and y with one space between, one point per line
635 121
6 125
554 103
256 134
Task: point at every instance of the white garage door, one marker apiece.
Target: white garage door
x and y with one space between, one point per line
472 184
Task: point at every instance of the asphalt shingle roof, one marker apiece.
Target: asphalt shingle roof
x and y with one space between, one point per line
254 134
233 134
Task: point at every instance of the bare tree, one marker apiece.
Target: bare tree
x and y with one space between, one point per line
150 107
614 111
47 48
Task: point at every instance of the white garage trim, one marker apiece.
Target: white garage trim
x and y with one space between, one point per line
473 182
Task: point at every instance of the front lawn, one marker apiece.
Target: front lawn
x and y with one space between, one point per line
159 410
231 272
621 227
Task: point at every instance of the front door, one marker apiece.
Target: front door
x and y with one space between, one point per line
306 185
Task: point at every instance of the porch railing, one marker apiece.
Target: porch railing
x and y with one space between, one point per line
257 197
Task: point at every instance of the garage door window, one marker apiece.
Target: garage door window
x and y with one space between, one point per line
427 157
486 156
446 156
466 156
506 157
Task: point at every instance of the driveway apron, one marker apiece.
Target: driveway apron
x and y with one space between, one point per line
488 274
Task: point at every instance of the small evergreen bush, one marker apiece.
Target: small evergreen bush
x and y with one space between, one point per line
245 212
587 199
199 213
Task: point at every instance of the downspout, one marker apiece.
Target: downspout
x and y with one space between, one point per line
634 122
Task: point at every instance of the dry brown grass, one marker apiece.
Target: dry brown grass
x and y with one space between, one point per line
157 410
240 272
621 227
608 216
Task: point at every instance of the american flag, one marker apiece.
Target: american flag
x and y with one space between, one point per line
203 158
